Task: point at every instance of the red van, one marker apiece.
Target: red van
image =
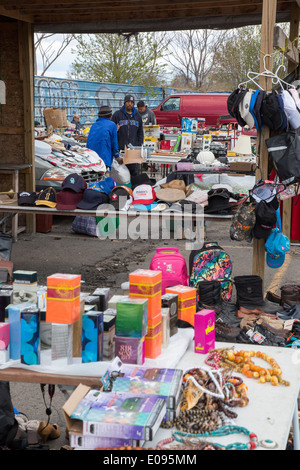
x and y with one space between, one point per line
201 105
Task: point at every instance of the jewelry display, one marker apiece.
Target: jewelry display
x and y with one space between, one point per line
242 361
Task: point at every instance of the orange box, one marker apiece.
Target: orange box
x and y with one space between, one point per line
63 298
187 302
145 283
153 338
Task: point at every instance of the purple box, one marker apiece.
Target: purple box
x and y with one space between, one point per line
130 350
204 331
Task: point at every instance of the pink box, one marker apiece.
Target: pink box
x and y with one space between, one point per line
4 335
204 331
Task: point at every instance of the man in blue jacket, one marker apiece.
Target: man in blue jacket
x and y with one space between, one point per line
130 129
103 137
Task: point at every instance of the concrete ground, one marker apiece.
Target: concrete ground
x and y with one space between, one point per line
107 263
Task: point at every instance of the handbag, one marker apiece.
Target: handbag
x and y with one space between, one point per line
284 150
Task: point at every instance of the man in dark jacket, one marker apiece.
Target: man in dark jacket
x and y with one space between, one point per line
148 116
130 128
103 137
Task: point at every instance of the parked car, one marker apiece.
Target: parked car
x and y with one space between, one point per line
174 108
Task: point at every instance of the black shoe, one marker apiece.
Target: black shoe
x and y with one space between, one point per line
273 297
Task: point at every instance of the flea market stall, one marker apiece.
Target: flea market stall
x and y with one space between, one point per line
176 362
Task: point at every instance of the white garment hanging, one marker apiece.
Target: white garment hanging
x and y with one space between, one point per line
291 110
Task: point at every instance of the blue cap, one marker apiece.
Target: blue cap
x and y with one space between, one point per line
276 246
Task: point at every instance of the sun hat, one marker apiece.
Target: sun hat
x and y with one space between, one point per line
143 194
170 194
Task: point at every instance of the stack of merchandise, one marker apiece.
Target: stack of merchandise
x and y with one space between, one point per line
165 383
131 329
111 420
63 312
146 284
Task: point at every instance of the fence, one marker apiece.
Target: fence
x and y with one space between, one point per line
85 98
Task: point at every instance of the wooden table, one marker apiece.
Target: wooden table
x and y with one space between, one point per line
14 170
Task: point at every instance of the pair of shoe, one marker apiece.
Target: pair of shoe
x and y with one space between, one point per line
290 294
292 313
48 431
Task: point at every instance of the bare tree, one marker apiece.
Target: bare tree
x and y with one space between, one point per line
47 51
192 53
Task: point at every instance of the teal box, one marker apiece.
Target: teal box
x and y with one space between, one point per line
92 336
14 319
132 318
30 336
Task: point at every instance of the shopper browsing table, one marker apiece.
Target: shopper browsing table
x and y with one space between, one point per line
130 129
103 137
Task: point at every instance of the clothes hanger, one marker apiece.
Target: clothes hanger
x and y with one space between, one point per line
269 74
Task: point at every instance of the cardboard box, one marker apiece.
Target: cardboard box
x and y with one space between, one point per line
204 331
132 318
55 117
92 337
186 302
132 156
63 298
145 283
242 166
130 350
30 336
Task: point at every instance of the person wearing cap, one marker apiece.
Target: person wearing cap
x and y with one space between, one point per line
103 137
130 129
148 116
77 123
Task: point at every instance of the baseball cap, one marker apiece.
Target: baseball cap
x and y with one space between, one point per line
120 197
276 245
92 199
265 220
244 108
67 199
26 198
143 194
105 186
128 98
47 197
74 182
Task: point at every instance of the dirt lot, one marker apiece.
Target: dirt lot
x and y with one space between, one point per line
107 263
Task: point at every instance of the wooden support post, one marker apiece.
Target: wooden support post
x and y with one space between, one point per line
267 34
294 33
27 76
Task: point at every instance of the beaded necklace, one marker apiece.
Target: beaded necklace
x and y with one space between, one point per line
241 361
185 441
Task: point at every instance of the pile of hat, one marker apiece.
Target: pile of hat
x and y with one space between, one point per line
256 108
